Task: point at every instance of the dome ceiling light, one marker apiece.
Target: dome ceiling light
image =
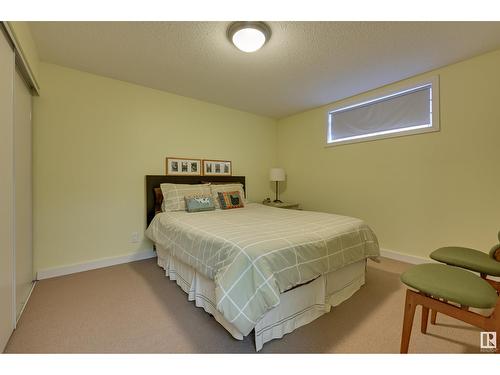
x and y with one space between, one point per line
248 36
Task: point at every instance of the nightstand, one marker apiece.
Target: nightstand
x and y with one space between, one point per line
288 205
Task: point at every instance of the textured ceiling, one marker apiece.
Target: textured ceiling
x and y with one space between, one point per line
304 65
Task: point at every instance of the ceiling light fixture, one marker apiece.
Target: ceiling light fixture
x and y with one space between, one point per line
248 36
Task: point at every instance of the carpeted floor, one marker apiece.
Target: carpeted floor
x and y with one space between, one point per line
134 308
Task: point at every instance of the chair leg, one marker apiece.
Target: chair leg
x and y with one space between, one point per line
433 316
407 321
425 319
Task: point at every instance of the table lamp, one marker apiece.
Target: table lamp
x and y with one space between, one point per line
277 175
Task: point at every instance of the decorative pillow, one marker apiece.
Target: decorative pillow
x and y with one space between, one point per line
225 188
173 195
230 199
197 203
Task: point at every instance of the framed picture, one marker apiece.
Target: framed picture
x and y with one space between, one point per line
217 168
183 167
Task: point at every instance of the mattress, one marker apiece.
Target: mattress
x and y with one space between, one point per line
298 307
255 254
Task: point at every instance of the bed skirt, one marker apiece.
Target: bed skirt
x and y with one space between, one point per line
298 306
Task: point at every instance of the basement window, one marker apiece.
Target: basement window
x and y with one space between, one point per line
412 109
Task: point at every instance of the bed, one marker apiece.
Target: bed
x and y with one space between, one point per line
259 268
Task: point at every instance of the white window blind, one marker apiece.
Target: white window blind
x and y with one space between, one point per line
405 111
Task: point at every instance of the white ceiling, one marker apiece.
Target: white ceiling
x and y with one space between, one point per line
304 65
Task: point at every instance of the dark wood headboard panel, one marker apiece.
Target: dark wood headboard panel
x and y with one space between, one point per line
155 181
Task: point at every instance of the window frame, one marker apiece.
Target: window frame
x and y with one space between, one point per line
393 90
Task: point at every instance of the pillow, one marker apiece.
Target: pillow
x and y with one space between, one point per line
173 195
158 200
224 188
198 203
230 199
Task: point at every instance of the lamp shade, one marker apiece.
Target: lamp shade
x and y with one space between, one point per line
277 174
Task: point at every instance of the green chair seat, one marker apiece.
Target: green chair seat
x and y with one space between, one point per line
451 283
470 259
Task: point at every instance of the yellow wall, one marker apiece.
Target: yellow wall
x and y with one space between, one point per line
24 39
417 192
94 141
95 138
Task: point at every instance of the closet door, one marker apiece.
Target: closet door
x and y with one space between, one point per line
6 191
23 254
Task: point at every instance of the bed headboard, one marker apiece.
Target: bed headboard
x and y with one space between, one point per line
153 182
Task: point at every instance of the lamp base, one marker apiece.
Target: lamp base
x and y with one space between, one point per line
277 201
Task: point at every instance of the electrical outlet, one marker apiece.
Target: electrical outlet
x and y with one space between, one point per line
134 238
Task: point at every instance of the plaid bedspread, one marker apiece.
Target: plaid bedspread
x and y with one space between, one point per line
255 253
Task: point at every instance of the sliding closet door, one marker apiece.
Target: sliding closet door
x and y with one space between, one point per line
6 191
23 254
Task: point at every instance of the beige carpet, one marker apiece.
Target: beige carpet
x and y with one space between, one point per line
134 308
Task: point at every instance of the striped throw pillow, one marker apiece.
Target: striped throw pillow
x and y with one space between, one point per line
221 188
230 199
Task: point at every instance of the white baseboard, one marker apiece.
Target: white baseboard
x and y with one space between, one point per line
100 263
106 262
412 259
26 302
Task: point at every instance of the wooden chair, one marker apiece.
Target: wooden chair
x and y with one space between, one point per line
437 286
